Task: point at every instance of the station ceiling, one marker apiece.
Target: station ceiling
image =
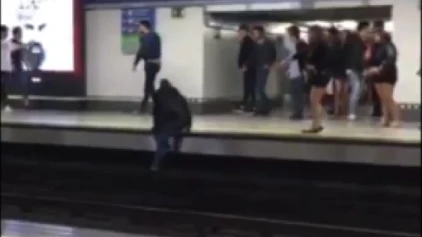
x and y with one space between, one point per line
335 14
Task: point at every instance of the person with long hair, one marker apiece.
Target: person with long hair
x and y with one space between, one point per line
318 71
337 70
383 72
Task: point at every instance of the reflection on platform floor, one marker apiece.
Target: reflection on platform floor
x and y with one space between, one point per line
227 124
11 228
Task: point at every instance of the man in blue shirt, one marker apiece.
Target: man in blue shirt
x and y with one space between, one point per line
150 51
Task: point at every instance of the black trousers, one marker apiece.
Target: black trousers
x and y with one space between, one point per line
151 71
249 88
5 77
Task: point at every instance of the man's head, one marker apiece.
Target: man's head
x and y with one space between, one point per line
364 30
315 34
144 27
294 33
258 32
17 33
243 31
165 83
4 32
333 34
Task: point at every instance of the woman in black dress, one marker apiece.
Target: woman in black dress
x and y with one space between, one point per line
383 72
317 69
337 70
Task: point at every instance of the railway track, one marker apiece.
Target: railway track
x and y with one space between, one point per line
126 194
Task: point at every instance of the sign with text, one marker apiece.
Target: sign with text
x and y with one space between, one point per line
130 36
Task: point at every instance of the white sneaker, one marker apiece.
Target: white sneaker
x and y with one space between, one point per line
7 108
351 117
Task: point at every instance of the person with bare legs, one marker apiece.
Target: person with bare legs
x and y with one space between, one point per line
317 69
384 75
337 70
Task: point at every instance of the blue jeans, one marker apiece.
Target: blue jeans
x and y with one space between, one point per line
163 146
297 96
261 84
354 78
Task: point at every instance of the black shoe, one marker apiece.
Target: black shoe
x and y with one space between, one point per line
296 117
262 113
143 108
313 130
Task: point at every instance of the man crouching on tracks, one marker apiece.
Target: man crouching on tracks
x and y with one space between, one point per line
172 117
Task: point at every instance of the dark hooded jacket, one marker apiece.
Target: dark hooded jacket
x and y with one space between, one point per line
171 111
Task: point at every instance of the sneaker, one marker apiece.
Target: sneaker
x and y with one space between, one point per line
7 108
241 109
351 117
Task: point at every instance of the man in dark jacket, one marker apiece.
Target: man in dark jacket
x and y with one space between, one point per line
265 57
18 72
246 64
150 51
354 49
172 117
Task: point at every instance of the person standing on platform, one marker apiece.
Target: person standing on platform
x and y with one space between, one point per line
246 64
172 117
18 72
295 64
383 72
265 57
150 51
6 66
318 72
337 70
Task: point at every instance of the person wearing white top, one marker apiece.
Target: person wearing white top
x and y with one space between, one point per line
294 64
6 65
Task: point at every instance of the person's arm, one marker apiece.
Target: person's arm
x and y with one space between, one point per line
241 55
186 109
272 53
390 56
140 53
301 50
157 46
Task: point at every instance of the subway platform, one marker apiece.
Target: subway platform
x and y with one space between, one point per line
361 142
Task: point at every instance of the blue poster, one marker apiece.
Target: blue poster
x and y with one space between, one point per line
130 18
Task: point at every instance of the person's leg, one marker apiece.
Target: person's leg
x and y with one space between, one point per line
355 91
245 90
376 102
252 89
264 105
3 90
151 71
162 149
297 98
23 78
344 95
317 93
177 142
391 106
382 103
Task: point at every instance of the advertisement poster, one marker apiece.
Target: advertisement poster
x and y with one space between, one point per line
130 36
47 32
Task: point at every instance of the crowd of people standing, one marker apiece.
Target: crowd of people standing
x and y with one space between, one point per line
350 60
